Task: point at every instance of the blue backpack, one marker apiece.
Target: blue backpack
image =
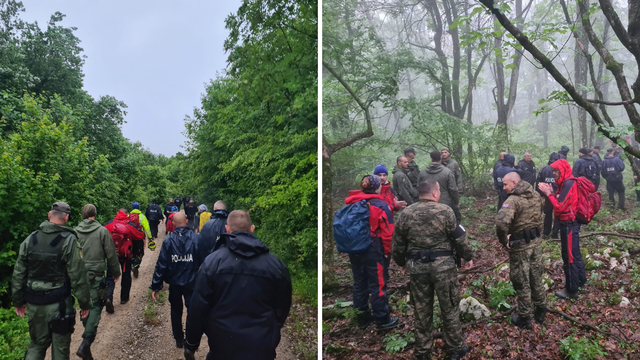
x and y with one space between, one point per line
351 229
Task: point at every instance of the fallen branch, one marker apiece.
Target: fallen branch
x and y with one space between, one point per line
610 233
472 271
584 325
439 335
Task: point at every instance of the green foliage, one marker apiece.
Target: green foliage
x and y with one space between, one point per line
499 295
577 349
395 343
14 335
253 143
627 225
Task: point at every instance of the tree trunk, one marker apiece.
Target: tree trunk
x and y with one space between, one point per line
328 245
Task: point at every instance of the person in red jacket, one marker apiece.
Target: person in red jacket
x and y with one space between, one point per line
129 231
387 192
368 267
565 208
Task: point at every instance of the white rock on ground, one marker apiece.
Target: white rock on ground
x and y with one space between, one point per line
473 307
547 281
613 263
606 252
624 302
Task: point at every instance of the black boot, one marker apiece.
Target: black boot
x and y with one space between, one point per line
364 320
565 294
109 305
84 351
521 322
460 353
539 313
388 323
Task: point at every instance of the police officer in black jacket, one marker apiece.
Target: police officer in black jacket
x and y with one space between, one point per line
212 229
546 176
167 211
177 265
528 168
612 168
191 209
241 298
154 216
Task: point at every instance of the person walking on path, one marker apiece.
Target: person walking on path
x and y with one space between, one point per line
177 265
612 168
124 233
98 253
168 209
49 268
154 216
212 229
190 210
205 215
138 245
241 298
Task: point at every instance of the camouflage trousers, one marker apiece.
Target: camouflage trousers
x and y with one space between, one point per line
526 276
446 287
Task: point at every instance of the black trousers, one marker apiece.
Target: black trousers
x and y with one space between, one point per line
192 224
502 197
125 280
616 186
573 265
549 219
153 225
176 294
368 271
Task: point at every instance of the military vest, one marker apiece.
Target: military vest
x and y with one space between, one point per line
44 259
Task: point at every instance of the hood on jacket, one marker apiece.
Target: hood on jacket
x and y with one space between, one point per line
359 195
587 158
121 216
434 168
48 227
87 226
553 157
399 169
220 214
244 243
523 189
182 230
509 160
565 170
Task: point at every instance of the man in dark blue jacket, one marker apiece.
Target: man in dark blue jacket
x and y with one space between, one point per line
177 265
212 229
154 216
586 166
241 298
546 176
508 165
612 168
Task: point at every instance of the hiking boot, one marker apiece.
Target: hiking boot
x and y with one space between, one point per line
521 322
84 351
135 272
109 306
460 353
393 322
122 302
179 343
565 294
539 313
364 320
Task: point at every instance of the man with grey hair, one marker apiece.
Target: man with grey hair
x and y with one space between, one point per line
98 254
528 169
49 268
212 229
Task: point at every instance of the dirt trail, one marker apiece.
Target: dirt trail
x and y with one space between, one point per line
125 335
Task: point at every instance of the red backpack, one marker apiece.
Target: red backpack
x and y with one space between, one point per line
119 233
589 200
135 219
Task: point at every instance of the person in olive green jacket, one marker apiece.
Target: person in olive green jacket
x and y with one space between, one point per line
97 246
448 187
402 182
48 270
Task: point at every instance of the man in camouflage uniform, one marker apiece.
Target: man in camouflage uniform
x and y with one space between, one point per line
402 182
412 167
518 228
48 269
452 165
425 236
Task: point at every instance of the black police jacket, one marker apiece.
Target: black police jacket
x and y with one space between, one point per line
210 232
612 168
178 261
153 213
241 299
167 209
190 209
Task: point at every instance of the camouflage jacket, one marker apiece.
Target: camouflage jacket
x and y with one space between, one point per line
427 225
522 210
455 169
413 172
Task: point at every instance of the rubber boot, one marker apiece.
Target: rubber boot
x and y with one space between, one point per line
539 313
521 322
565 294
390 323
460 353
84 351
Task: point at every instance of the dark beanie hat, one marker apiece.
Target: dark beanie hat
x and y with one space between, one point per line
585 151
381 169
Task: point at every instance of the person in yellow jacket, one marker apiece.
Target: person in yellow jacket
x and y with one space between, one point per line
137 247
205 215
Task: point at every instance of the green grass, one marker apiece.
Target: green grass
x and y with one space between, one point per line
151 311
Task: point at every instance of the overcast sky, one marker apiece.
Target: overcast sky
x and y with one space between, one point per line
156 56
